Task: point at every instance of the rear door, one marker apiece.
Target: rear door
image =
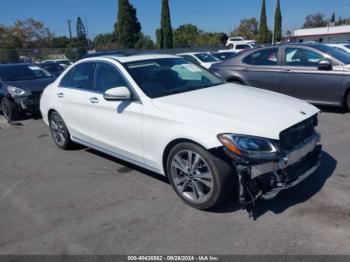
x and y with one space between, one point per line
262 69
301 77
71 98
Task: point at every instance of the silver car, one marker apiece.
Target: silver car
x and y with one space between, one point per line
313 72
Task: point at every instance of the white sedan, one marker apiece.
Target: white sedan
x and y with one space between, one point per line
177 119
204 59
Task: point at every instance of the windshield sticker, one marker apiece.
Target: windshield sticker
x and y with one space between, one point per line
191 68
34 68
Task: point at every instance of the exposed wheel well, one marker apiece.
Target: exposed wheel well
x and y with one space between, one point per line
344 99
234 80
50 112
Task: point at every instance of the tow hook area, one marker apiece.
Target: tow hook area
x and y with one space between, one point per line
267 180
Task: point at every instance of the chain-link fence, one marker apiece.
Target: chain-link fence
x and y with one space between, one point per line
74 54
38 55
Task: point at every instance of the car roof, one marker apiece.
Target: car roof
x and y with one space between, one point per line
193 53
18 64
132 58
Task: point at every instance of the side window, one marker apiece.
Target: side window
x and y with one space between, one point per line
107 77
302 57
80 77
268 57
65 82
242 47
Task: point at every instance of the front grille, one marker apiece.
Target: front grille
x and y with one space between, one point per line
296 135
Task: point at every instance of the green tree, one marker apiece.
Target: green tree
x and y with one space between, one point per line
315 20
333 18
166 31
81 31
144 43
158 37
263 30
247 28
278 23
186 36
60 42
75 50
128 28
104 40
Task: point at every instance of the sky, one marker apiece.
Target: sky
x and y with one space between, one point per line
208 15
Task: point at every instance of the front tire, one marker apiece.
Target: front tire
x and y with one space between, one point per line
59 131
9 110
199 178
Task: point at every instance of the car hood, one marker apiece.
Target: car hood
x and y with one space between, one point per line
232 108
35 85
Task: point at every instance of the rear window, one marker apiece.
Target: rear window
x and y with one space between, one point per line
22 72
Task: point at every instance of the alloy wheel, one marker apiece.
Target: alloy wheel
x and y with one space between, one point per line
192 176
58 131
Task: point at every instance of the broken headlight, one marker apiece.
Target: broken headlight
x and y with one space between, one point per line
15 91
249 146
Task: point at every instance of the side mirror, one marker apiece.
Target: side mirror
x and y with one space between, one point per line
325 65
121 93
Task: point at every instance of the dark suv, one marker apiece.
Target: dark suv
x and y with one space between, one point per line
20 88
314 72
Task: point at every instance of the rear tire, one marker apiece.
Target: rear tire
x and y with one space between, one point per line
199 178
59 131
9 110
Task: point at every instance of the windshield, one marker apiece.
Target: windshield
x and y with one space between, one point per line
168 76
206 58
335 53
22 72
224 55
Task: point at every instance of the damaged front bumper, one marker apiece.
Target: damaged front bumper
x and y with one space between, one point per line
268 179
27 103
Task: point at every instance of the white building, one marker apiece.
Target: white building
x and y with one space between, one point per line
322 34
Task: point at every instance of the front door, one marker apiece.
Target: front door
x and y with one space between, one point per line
301 77
115 126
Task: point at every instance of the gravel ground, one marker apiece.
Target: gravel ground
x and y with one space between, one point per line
84 202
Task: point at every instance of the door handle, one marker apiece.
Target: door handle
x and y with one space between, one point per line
60 95
94 100
287 71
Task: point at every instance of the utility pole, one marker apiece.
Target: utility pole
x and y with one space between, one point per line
69 28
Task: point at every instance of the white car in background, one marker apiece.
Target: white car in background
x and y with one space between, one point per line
201 58
239 47
62 62
177 119
341 46
239 40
